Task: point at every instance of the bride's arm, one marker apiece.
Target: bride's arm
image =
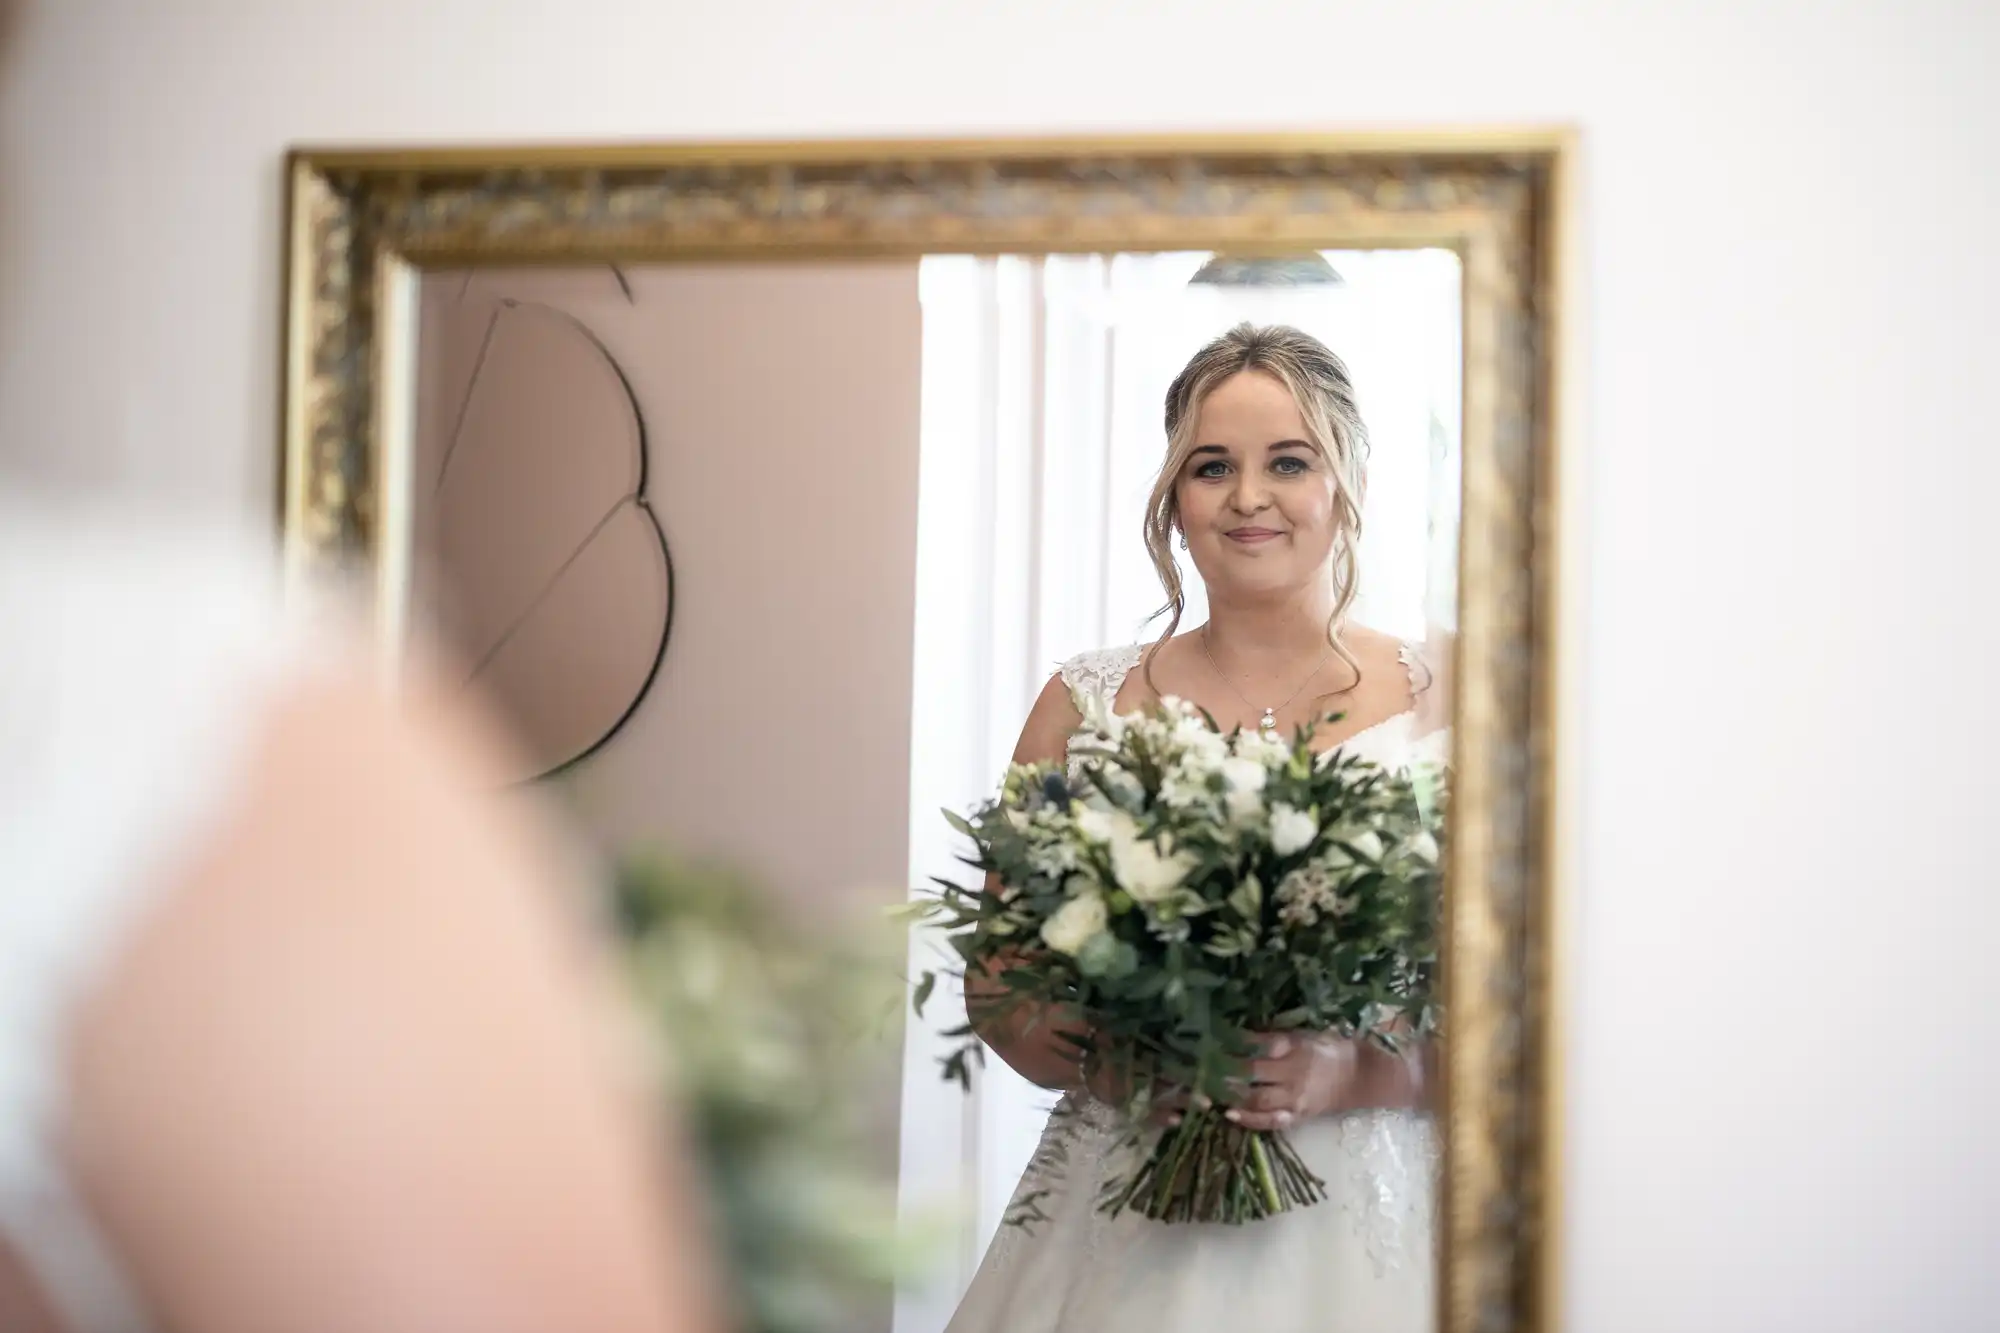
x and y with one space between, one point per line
1393 1081
1029 1036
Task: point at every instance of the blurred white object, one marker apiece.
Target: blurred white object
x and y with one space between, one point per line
292 1000
130 660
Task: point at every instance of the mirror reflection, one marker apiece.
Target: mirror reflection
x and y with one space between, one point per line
773 562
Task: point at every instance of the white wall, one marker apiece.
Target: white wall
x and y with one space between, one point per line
1782 1114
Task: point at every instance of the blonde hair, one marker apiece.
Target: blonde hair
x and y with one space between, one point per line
1320 385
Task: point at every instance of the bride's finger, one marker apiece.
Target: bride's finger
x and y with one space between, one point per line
1270 1097
1250 1119
1265 1073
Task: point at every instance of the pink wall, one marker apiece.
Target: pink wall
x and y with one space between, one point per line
781 407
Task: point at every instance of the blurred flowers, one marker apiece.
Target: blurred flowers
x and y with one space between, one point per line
776 1032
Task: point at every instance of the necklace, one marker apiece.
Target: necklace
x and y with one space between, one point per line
1269 721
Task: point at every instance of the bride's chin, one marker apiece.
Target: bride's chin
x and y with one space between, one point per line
1252 591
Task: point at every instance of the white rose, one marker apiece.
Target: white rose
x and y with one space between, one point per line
1146 873
1076 923
1291 830
1192 732
1103 826
1207 751
1181 790
1244 779
1244 774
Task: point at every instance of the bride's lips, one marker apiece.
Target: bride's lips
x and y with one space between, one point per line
1253 536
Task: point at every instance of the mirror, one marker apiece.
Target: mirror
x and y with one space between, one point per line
540 557
764 496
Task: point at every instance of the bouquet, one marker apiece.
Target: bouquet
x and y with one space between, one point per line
1179 891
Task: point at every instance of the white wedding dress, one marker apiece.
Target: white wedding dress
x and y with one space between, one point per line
1362 1261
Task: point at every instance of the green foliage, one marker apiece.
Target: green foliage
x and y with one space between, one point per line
773 1030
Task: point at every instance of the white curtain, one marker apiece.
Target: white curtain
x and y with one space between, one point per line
1044 381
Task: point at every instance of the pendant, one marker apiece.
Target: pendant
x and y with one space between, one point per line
1269 722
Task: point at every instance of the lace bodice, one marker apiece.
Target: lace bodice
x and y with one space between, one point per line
1417 732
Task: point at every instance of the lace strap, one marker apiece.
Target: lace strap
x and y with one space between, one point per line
1416 668
1099 675
1429 704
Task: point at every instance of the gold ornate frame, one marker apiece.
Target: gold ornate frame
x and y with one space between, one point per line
363 224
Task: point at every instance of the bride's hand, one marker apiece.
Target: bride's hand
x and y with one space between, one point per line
1300 1075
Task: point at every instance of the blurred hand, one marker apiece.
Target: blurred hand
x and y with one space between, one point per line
1111 1080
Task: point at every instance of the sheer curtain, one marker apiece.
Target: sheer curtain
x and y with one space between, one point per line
1044 380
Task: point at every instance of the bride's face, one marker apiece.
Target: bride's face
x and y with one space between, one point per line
1255 496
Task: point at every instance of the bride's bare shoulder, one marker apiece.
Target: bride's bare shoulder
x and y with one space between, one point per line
1375 649
1422 667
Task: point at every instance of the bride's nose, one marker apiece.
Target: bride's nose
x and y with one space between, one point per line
1250 494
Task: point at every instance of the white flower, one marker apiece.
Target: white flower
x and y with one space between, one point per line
1422 846
1244 807
1243 780
1303 895
1104 826
1183 791
1076 923
1098 718
1268 750
1145 872
1367 845
1244 774
1018 818
1291 830
1052 859
1199 743
1126 790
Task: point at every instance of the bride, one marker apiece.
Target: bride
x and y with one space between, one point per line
1262 485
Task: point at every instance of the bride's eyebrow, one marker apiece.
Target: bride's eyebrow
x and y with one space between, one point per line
1276 446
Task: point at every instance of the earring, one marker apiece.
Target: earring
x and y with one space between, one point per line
1184 545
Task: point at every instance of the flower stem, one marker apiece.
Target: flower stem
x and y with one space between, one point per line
1262 1162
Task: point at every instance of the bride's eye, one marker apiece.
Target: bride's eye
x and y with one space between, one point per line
1212 469
1290 465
